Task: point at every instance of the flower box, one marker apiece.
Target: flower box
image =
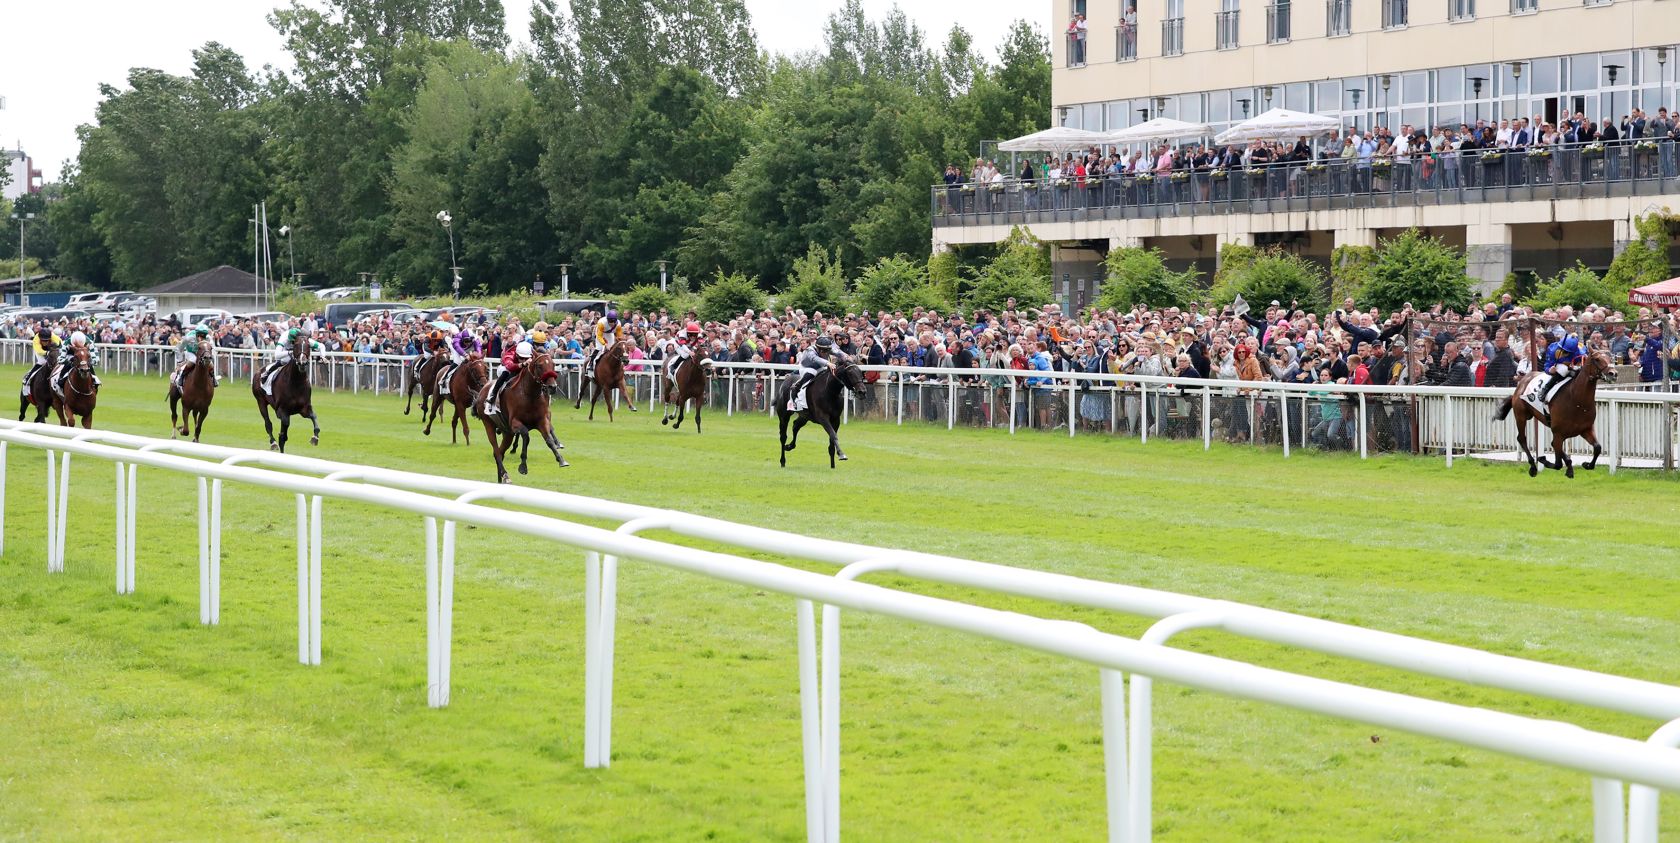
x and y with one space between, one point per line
1180 176
1595 150
1064 183
1317 168
1255 172
1382 165
1219 175
1540 152
968 189
1645 146
994 188
1145 178
1093 181
1492 157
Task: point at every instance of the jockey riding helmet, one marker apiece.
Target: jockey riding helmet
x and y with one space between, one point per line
524 350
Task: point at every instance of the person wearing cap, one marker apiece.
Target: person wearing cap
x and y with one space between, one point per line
187 355
680 348
513 360
66 362
46 339
608 333
462 346
283 355
813 361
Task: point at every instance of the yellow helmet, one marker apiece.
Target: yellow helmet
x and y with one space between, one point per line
539 337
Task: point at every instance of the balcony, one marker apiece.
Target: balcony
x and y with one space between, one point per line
1338 16
1565 173
1172 37
1226 30
1277 23
1125 43
1076 50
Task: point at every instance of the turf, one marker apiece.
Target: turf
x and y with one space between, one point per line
126 719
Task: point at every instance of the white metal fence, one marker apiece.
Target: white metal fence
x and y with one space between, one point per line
1610 760
1636 427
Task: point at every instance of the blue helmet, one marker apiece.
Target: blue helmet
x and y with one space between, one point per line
1572 345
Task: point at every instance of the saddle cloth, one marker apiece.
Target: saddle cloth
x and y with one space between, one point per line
1542 402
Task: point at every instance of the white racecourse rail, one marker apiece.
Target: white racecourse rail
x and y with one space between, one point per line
1610 760
1634 425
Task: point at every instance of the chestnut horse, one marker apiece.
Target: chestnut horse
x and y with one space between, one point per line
81 391
523 407
609 376
464 383
425 379
194 394
687 384
38 392
292 396
1573 411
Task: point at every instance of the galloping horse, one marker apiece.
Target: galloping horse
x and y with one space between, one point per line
523 408
822 405
193 395
81 391
292 396
39 389
687 383
464 383
1573 411
609 376
425 380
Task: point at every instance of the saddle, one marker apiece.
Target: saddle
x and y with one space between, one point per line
1540 398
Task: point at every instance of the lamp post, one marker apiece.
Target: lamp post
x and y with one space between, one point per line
565 279
22 218
1476 87
1385 80
1245 102
291 256
662 264
1355 92
1267 91
447 221
1516 88
1061 115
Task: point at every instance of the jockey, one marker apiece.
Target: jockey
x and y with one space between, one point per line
680 348
188 351
283 355
815 360
608 333
65 366
429 347
461 346
45 341
513 360
1562 356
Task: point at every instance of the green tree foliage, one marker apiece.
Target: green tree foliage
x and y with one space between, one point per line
1020 271
1350 271
818 284
896 283
1272 274
645 298
1417 269
727 296
948 277
1578 287
1140 276
1644 261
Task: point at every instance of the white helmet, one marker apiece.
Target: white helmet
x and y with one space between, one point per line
78 338
523 350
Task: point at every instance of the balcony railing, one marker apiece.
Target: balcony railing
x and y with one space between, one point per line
1125 42
1226 30
1338 15
1277 23
1395 15
1628 168
1172 37
1075 50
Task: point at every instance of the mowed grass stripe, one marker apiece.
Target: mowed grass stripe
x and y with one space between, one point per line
945 737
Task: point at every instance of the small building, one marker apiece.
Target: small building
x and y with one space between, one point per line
224 287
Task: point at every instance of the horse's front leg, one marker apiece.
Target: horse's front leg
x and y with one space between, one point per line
315 436
834 451
285 428
553 442
782 418
1561 456
798 422
1592 439
521 441
175 429
682 410
499 446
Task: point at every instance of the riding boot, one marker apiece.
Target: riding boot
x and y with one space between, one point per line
490 401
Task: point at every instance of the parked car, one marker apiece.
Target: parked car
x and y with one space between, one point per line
571 305
107 300
273 317
336 293
402 317
194 315
338 314
137 306
42 315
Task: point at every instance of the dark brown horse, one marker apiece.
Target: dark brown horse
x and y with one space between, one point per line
687 383
292 396
523 407
81 390
609 376
823 404
38 391
193 395
1573 411
426 381
464 383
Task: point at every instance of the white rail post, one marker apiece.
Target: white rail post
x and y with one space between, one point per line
606 641
900 376
432 648
1207 418
315 581
2 497
1073 417
1608 816
728 408
1447 425
1114 752
592 659
215 552
1014 388
133 517
1364 430
203 551
1615 434
810 723
122 529
63 519
1283 420
1642 799
1143 411
951 403
446 612
830 669
303 578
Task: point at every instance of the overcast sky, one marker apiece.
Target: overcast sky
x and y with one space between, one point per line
57 52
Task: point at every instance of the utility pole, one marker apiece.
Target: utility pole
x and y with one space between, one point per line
565 280
21 218
661 274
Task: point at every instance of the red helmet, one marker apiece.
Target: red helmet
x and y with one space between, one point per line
693 328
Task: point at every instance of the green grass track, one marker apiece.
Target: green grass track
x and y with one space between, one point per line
123 718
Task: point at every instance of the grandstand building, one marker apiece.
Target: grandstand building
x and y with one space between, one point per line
1367 63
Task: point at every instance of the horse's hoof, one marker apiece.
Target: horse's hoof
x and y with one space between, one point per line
664 421
524 470
840 457
564 464
1588 467
787 447
272 446
314 440
1570 472
1533 470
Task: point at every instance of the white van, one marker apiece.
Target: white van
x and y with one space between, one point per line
98 301
194 315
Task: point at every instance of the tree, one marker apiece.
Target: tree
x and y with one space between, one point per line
1273 274
818 283
645 298
1020 271
1350 271
896 283
1420 270
728 296
1139 276
1644 261
1577 287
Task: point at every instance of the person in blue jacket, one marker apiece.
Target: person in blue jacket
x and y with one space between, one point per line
1562 356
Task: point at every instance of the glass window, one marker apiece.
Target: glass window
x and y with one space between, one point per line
1116 115
1295 97
1471 74
1651 99
1624 71
1414 88
1415 117
1545 76
1190 108
1449 82
1092 119
1329 94
1583 73
1219 107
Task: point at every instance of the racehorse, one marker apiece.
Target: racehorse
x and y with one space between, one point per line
1573 411
39 389
687 383
523 408
81 391
425 380
823 397
609 376
292 396
463 384
193 395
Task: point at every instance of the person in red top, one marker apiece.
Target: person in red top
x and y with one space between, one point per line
1361 369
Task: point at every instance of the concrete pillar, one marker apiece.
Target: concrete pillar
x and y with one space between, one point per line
1623 234
1366 237
1234 238
1123 241
1488 255
940 247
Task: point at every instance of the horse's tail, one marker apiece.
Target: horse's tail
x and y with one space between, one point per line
1504 409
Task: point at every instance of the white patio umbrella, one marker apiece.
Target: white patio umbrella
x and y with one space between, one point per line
1054 139
1159 129
1278 124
